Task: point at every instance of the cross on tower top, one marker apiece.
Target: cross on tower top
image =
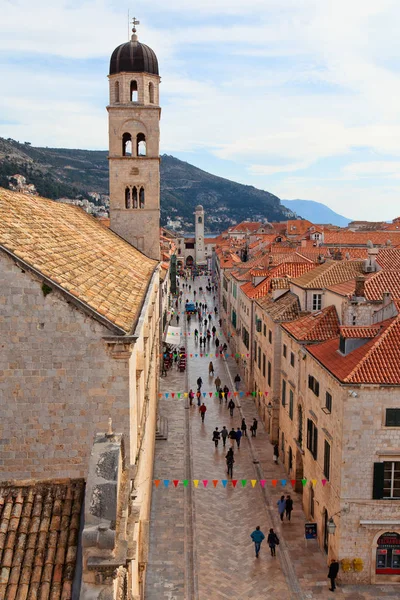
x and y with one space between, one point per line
134 23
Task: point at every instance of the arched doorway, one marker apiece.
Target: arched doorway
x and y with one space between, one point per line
189 261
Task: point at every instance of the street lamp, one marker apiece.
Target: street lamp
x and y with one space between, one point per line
269 408
331 526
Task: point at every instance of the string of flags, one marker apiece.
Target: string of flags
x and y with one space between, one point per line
241 483
189 333
211 394
206 355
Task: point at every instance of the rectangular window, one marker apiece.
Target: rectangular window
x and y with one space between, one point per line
327 460
312 438
284 351
234 318
313 385
291 404
245 337
234 290
269 374
283 392
259 357
255 351
224 303
328 402
292 359
316 301
264 361
391 479
225 284
283 446
258 325
265 330
270 336
392 417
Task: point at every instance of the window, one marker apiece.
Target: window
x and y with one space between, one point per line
392 417
225 284
134 197
270 336
283 392
224 303
127 144
328 402
290 458
255 351
116 91
141 198
327 460
259 357
292 359
283 446
342 344
258 325
316 301
234 290
199 220
245 337
312 438
264 361
141 144
233 318
269 374
313 385
386 480
127 197
300 425
284 350
151 93
134 91
291 404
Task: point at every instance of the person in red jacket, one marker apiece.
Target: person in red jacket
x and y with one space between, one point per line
202 411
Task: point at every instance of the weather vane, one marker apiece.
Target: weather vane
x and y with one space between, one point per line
134 23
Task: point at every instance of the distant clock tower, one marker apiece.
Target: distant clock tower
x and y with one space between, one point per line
134 140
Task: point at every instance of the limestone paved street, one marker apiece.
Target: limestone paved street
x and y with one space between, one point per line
200 546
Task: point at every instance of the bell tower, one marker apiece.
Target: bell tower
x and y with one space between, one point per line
134 141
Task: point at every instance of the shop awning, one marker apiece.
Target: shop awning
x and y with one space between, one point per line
173 335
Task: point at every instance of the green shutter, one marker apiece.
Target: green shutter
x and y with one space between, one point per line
377 489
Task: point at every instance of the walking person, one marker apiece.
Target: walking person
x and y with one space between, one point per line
237 382
276 453
217 343
231 406
211 369
196 334
254 430
224 435
229 462
216 437
238 437
217 382
273 541
257 536
226 392
220 395
198 396
288 507
202 411
244 427
199 383
191 397
281 507
332 573
177 319
232 437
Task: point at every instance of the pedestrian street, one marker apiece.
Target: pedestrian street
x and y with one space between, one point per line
200 545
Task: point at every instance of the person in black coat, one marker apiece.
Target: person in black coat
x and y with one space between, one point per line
273 541
288 507
332 573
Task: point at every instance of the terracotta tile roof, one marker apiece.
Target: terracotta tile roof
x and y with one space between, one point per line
346 289
389 258
376 362
279 275
329 273
39 531
280 283
72 249
284 308
298 227
317 326
245 226
364 332
361 238
375 285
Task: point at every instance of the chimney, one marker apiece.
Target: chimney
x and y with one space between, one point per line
386 298
360 286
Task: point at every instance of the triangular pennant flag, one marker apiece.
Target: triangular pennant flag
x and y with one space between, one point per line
167 394
160 395
224 482
195 482
179 394
274 482
263 482
157 482
185 395
304 481
241 394
204 394
253 393
210 394
196 355
176 481
266 393
253 482
235 393
247 393
293 482
226 355
205 482
191 356
201 356
173 394
223 394
166 482
185 482
244 481
206 355
314 482
283 482
324 482
215 482
216 394
234 482
247 355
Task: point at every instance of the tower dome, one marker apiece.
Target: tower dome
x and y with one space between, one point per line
133 57
199 207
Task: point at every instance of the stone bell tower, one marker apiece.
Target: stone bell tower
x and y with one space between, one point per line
199 235
134 140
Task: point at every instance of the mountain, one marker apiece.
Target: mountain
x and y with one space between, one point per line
83 174
316 212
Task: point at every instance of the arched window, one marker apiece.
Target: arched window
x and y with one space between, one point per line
134 197
151 93
127 197
199 220
127 144
134 91
141 198
141 144
117 91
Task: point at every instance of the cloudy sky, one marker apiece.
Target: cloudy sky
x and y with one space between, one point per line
298 97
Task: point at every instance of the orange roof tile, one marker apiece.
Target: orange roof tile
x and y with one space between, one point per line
329 273
277 276
317 326
284 308
360 238
389 258
72 249
375 285
354 331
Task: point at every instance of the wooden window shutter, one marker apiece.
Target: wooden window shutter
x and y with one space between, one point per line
377 489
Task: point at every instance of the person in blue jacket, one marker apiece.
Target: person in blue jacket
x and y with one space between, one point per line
257 536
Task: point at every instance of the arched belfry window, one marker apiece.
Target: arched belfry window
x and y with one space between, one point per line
151 92
199 220
127 144
134 91
134 197
117 91
141 198
127 197
141 144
